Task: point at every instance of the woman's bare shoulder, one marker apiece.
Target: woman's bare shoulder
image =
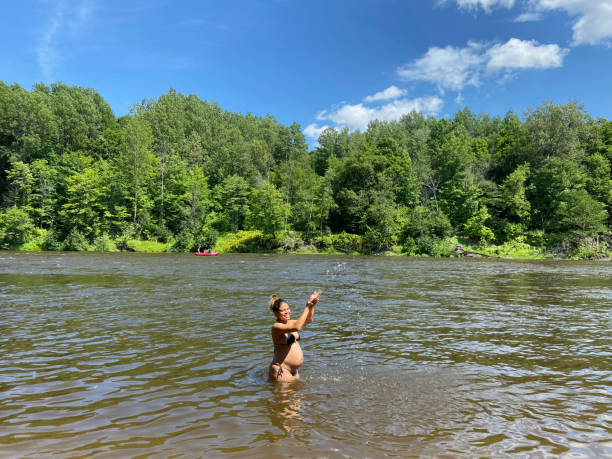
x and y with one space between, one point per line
280 327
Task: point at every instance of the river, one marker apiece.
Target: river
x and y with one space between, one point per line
164 355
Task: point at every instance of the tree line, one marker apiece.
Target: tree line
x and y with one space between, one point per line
183 171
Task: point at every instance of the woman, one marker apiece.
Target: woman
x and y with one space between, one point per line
288 356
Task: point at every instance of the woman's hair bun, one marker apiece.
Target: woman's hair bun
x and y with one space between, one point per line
272 300
275 303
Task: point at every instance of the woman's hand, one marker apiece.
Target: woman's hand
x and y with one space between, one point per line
314 298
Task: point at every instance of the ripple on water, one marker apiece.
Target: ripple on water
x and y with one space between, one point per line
128 354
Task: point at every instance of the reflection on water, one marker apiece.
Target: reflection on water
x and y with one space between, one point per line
166 355
284 410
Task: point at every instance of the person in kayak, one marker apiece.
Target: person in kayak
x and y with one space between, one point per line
288 356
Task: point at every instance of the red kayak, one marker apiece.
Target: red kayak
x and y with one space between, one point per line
207 254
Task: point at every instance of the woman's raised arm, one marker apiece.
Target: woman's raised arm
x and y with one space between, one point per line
304 319
314 299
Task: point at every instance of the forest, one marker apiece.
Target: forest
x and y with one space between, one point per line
179 173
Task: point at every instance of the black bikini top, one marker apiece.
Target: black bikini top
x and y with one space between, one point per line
290 339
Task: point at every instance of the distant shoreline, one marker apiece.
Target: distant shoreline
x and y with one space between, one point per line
460 251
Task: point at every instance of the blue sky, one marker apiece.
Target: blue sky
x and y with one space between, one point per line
321 63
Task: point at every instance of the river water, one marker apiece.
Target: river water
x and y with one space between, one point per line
163 355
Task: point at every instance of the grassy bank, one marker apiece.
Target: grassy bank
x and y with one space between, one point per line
331 244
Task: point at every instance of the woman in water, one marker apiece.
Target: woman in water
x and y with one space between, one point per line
288 356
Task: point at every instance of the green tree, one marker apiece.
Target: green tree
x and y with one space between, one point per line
459 163
85 209
476 227
352 179
16 227
421 227
323 204
559 131
599 178
136 165
549 181
514 200
580 214
28 127
261 157
379 222
234 199
331 143
82 117
267 209
399 172
197 202
20 180
511 146
44 193
176 185
605 129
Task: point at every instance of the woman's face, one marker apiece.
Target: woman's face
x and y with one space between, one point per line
283 314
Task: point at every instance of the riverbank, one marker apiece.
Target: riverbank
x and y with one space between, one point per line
342 244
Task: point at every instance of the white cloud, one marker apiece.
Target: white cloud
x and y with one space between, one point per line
455 68
594 24
450 68
521 54
321 115
65 19
358 116
313 131
486 5
594 17
46 54
529 16
392 92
